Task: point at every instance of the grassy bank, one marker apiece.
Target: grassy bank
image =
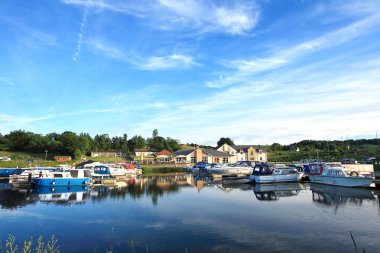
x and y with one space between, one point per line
159 169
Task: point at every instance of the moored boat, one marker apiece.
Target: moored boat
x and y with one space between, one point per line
263 173
323 174
241 167
7 172
75 177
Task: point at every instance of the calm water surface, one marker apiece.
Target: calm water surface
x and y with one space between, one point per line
181 214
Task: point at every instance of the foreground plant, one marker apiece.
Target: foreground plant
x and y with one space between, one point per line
50 247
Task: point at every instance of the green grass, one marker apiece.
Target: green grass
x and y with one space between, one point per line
159 169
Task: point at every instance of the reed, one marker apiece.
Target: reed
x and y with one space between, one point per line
41 247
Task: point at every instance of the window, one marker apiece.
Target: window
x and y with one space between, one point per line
204 159
193 159
225 159
74 173
251 152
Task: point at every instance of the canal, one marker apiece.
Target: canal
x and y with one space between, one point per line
180 213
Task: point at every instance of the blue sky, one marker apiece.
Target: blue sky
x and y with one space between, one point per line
255 71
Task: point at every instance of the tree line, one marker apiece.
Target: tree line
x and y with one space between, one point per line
76 145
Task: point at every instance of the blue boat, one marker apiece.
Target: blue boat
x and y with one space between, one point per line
75 177
6 172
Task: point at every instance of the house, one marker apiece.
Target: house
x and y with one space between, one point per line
144 153
245 152
112 153
186 156
164 156
62 158
215 156
202 155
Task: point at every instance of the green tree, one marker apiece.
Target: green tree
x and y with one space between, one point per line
77 154
224 140
18 140
276 147
70 142
137 141
102 142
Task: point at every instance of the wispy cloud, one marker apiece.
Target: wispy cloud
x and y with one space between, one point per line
80 34
246 68
172 61
191 15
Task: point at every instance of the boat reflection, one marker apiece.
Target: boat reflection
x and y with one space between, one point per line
336 195
61 195
273 192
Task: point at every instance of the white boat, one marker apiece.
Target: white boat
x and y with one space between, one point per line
262 173
229 169
323 174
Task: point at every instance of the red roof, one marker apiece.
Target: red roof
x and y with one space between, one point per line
165 152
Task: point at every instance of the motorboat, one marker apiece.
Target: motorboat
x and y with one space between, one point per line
241 167
74 177
25 178
263 173
322 174
7 172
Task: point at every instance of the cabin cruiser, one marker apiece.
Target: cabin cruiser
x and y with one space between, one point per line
323 174
241 167
74 177
263 173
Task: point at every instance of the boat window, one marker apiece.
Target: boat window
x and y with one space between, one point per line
74 173
87 173
58 175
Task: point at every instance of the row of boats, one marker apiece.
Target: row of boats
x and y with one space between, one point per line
322 173
66 176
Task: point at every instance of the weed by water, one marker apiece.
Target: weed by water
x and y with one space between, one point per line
41 247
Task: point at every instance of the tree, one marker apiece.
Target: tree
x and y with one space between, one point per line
276 147
155 133
18 140
225 140
77 154
70 142
137 141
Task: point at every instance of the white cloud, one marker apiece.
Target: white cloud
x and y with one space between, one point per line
246 69
198 16
80 35
173 61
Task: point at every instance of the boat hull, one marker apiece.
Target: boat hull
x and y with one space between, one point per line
341 181
53 182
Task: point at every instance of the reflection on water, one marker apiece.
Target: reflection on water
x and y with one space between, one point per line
270 192
334 195
183 213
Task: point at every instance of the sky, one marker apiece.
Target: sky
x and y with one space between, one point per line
258 72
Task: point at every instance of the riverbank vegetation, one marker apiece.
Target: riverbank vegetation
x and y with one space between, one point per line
30 246
31 149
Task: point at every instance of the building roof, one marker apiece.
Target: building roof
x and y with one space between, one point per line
216 153
184 152
165 152
246 147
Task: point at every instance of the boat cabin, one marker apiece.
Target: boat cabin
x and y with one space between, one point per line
262 169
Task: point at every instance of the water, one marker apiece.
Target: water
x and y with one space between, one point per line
180 214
